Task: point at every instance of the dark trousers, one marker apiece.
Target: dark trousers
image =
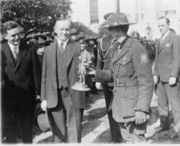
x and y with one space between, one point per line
114 127
65 119
17 124
169 95
17 117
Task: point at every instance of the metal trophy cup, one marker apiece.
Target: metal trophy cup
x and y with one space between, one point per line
85 59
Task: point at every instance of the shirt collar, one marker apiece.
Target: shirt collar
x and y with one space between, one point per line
12 47
121 39
64 43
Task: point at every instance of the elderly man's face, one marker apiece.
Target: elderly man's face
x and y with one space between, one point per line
163 26
62 29
13 36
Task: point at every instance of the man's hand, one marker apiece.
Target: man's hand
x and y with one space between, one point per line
44 105
38 97
155 79
40 51
140 117
172 81
98 85
91 71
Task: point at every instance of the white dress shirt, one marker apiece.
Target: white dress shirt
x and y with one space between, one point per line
62 44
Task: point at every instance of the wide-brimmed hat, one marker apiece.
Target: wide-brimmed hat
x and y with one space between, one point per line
107 15
116 19
43 122
73 31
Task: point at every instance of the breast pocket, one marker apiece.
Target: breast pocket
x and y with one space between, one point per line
126 65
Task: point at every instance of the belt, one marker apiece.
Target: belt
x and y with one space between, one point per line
125 84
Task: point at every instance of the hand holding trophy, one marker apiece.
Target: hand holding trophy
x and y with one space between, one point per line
85 59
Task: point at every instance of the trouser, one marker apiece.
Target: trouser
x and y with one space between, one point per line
133 133
18 115
169 95
65 120
18 125
114 127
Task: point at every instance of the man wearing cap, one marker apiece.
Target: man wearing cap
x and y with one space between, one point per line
105 52
131 72
166 76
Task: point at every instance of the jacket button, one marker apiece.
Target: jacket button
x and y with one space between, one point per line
115 91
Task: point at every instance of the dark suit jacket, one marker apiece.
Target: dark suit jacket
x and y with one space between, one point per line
167 61
21 79
49 87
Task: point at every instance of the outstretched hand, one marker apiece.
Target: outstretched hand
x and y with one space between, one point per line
91 71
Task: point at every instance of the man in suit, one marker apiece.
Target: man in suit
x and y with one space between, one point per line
105 53
21 85
131 73
59 73
166 76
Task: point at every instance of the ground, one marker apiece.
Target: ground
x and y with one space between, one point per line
95 126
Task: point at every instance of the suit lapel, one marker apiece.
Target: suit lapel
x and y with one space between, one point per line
71 50
21 54
9 55
164 42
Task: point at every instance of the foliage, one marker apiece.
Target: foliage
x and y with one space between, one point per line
39 14
150 46
37 17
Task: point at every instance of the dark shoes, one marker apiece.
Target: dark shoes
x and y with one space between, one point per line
173 134
167 136
161 129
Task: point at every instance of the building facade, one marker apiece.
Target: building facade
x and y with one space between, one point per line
143 12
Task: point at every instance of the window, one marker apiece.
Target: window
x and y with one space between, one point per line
170 12
94 11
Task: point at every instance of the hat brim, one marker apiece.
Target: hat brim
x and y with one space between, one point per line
115 25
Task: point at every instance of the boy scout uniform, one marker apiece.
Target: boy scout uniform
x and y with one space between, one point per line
133 85
133 82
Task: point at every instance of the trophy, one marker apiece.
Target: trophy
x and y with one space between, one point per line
85 59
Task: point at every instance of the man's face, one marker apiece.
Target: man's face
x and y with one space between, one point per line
115 33
13 36
62 29
163 26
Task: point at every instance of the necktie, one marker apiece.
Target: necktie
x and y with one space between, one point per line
62 46
15 53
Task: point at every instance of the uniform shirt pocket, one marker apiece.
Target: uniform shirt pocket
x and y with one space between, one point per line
126 65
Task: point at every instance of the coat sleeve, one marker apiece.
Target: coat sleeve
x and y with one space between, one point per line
99 64
36 71
143 70
104 75
176 56
155 73
44 76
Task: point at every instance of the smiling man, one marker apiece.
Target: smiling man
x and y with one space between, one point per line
20 75
64 105
167 67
